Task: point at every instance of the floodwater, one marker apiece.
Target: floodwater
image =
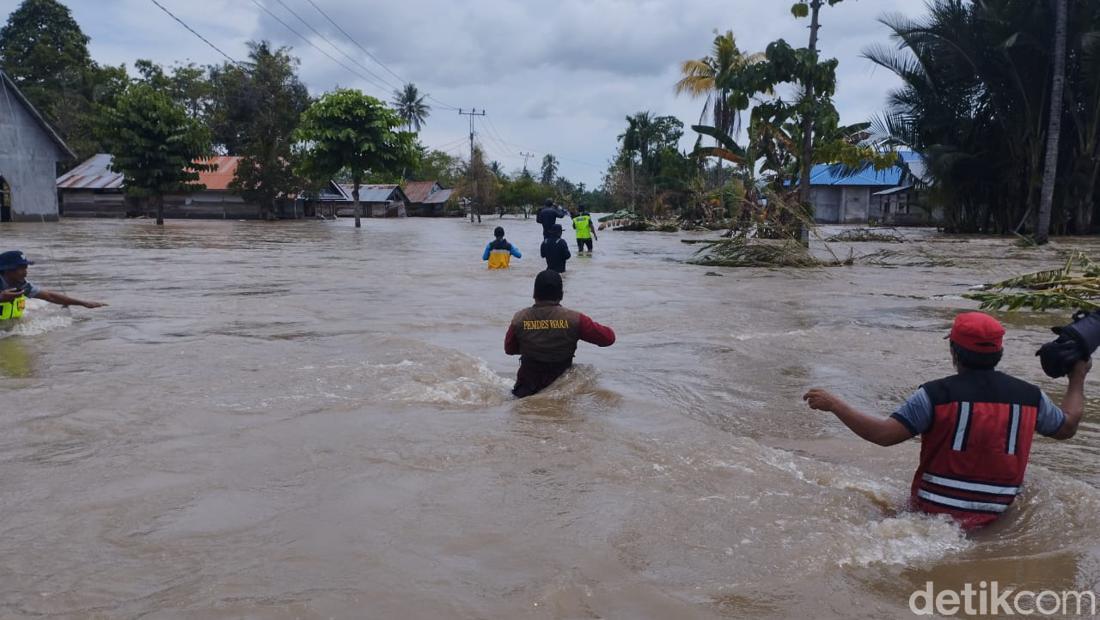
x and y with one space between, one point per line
303 420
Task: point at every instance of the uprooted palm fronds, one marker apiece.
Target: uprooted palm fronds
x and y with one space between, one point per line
649 226
862 235
890 258
1076 286
741 251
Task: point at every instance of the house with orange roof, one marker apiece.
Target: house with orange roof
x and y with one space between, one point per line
92 189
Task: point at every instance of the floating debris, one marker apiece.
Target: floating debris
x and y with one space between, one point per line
861 235
1076 286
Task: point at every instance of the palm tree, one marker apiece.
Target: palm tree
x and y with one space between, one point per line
549 169
410 106
709 77
1054 124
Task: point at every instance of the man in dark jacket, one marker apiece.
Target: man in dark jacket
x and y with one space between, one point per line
548 216
555 250
545 336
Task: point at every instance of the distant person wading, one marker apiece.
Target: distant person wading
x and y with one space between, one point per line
548 216
555 250
585 231
499 251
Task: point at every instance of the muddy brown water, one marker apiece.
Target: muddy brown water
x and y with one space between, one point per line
302 420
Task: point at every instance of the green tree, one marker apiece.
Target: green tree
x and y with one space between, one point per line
45 53
435 165
549 169
187 85
156 146
709 77
410 106
1054 123
276 101
479 185
347 130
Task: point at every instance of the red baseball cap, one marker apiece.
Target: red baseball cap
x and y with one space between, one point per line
977 332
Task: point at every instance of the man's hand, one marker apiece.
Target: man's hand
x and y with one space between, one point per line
10 294
1080 369
92 304
821 400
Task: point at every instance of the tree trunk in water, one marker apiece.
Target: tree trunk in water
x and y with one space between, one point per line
1054 127
160 210
808 129
358 207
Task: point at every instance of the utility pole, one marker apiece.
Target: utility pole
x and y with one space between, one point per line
473 176
525 157
808 123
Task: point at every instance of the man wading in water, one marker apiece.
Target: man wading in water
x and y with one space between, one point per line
976 426
545 336
548 216
14 288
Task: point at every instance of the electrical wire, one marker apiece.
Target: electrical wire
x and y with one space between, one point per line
192 30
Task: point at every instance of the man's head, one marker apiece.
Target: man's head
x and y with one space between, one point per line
977 341
548 286
549 202
583 209
498 232
556 230
13 267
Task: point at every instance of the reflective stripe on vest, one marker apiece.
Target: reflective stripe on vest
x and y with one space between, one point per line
10 310
974 455
500 259
584 226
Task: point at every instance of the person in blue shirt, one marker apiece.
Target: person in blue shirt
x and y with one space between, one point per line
499 252
14 288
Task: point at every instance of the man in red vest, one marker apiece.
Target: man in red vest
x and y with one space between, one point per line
976 426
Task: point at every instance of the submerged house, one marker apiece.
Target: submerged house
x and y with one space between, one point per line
92 189
427 198
29 153
335 200
883 196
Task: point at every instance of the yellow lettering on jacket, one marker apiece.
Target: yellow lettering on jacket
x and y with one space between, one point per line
546 324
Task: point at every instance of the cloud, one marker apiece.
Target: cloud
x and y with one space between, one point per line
554 76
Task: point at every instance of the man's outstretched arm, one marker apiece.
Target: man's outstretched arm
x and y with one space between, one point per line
65 300
599 335
882 431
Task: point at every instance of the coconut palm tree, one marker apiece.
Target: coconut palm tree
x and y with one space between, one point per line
709 77
1054 123
410 106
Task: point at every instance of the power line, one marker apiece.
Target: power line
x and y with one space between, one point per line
192 30
356 43
333 45
314 46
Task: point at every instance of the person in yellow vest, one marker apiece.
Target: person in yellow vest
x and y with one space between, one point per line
14 288
499 252
586 232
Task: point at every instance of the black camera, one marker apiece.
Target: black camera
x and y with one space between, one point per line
1075 342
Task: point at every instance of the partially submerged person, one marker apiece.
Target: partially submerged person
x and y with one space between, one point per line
555 250
14 288
545 336
976 426
585 231
548 216
499 252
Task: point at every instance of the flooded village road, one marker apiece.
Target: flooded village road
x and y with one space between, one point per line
302 420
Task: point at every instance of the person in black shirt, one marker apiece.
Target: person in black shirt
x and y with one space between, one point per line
555 250
548 216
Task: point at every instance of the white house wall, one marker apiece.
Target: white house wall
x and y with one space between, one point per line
28 161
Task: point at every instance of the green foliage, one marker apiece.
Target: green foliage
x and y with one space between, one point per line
975 103
275 102
156 146
347 130
433 165
45 53
410 106
1074 286
549 169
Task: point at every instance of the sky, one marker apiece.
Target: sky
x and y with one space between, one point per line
553 77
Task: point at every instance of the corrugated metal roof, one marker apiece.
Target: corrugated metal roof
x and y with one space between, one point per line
439 197
95 173
375 193
418 191
830 175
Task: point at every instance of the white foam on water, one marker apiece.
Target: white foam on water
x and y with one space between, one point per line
759 335
41 317
481 387
904 540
